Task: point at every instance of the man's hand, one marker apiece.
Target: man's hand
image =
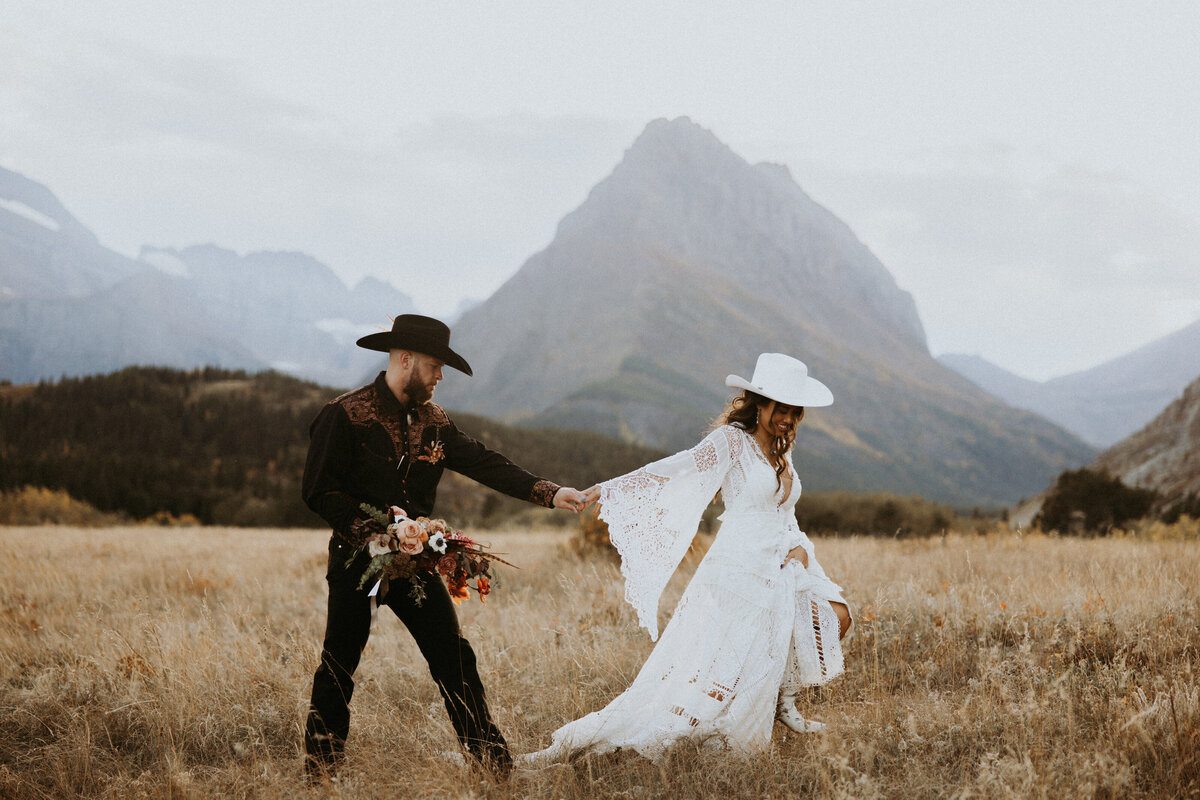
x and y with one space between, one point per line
570 499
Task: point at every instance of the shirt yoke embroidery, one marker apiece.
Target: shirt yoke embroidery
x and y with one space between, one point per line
363 409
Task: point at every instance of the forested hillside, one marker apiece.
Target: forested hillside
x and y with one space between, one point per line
229 447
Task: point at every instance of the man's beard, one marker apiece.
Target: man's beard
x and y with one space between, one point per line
418 391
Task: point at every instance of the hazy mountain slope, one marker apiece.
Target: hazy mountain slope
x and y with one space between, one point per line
149 319
47 253
680 214
1164 455
997 381
1106 403
69 306
289 309
681 267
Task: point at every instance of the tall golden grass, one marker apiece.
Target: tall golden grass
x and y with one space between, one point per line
156 663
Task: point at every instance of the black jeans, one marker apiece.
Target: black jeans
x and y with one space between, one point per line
433 625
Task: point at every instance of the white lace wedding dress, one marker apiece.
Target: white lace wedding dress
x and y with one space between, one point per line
745 628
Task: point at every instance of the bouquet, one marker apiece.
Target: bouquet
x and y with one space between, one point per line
430 545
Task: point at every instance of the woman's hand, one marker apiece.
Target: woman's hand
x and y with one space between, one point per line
797 553
592 495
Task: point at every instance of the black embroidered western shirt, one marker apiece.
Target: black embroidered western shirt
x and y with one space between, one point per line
366 448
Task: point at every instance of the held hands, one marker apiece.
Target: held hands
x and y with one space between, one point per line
797 553
575 500
570 499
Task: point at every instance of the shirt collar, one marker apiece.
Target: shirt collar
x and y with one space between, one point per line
388 403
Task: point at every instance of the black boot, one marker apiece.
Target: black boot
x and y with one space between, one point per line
323 751
492 756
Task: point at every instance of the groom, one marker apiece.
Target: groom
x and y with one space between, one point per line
387 444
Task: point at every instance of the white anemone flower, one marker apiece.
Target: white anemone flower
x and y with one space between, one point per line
438 542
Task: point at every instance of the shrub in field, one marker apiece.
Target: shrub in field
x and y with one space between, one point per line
1085 500
35 505
591 536
1187 506
876 514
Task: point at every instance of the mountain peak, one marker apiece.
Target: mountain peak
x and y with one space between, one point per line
679 268
678 150
684 192
679 136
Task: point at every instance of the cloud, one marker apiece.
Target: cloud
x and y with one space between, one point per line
465 200
115 90
175 149
147 146
150 144
1043 270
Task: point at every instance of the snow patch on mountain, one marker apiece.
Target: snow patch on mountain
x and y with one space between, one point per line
22 210
166 261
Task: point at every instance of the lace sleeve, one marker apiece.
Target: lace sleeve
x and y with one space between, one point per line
653 512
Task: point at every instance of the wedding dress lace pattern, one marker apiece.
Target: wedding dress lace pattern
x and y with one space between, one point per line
746 626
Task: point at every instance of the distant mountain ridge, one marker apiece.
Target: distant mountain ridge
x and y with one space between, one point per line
682 266
69 306
1104 404
289 309
679 268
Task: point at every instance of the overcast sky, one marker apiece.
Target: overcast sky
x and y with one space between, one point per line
1028 170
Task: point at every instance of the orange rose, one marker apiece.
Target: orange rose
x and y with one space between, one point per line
410 535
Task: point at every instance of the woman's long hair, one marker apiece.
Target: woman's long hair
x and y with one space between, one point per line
743 412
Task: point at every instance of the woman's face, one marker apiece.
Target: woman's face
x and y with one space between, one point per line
777 420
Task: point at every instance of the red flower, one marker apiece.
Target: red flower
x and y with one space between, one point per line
458 589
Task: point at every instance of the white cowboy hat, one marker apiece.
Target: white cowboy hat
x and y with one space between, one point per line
785 380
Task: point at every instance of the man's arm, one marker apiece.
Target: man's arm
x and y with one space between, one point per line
329 460
473 459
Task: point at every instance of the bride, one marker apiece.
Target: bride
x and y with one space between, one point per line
759 618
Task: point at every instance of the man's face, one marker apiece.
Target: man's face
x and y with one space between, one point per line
426 373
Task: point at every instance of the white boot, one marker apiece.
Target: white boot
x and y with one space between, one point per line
540 759
789 716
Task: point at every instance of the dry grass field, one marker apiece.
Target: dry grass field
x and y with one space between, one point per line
156 663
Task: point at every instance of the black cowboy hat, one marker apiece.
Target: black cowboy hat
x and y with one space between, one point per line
419 334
